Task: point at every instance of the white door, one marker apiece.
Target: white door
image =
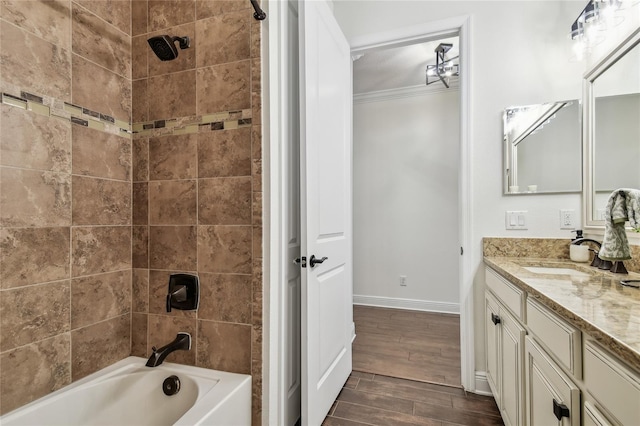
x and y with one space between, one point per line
325 117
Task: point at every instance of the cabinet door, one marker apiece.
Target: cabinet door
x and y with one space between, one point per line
614 386
552 398
512 372
492 342
593 417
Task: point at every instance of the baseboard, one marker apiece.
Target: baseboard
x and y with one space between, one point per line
412 304
482 385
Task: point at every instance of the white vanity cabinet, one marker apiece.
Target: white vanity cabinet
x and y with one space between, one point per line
505 351
492 340
614 388
543 370
593 417
552 397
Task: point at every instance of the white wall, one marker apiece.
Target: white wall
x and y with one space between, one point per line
519 57
405 185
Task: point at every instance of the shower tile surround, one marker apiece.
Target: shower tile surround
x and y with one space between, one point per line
96 212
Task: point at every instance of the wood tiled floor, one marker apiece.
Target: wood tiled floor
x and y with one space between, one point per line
372 399
413 345
395 355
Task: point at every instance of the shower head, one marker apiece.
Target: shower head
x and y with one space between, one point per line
164 46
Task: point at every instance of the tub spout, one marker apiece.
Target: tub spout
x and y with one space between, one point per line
181 342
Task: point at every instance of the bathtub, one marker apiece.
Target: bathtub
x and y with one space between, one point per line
129 393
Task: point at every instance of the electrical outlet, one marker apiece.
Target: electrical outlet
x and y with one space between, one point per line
567 219
403 280
516 220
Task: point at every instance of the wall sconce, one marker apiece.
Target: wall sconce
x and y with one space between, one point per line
590 26
444 69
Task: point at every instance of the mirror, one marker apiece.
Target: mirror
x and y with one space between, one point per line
543 148
612 126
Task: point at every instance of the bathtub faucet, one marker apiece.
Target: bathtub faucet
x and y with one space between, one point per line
181 342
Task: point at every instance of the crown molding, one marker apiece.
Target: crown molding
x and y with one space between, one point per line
404 92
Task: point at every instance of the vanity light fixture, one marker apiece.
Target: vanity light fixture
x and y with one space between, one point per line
444 68
590 26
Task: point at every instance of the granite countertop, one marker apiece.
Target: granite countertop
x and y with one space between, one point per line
595 302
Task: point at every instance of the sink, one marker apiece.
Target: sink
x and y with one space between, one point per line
556 271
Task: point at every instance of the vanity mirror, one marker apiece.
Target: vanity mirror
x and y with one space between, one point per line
612 127
543 148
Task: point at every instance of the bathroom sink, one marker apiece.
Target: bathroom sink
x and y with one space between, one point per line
556 271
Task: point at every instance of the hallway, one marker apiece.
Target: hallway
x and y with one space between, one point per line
406 371
414 345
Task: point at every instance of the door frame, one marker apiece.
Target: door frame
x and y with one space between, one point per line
460 26
275 89
274 132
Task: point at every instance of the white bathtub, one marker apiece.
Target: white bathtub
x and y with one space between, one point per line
128 393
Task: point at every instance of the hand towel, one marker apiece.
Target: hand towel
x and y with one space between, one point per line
623 205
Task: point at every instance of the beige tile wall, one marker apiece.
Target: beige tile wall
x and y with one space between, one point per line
198 197
93 223
65 197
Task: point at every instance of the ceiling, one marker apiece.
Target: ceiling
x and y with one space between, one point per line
397 67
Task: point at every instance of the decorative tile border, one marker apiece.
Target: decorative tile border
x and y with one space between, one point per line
51 107
226 120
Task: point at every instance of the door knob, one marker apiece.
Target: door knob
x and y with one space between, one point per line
315 260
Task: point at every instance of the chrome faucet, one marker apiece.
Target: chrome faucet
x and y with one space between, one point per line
181 342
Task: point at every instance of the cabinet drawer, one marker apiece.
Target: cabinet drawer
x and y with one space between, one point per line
552 397
593 417
615 387
510 295
561 338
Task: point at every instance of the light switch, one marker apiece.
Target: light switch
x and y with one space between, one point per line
516 220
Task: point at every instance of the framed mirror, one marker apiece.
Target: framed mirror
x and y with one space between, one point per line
612 127
543 148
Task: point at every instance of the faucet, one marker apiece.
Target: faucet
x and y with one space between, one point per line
181 342
597 262
616 267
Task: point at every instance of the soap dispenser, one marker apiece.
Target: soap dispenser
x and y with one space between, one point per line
578 252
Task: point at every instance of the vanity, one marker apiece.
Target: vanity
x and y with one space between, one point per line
562 341
562 338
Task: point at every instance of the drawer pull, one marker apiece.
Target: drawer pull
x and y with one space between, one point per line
560 410
495 319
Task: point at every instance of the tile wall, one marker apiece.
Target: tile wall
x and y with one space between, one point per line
129 170
65 196
197 191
